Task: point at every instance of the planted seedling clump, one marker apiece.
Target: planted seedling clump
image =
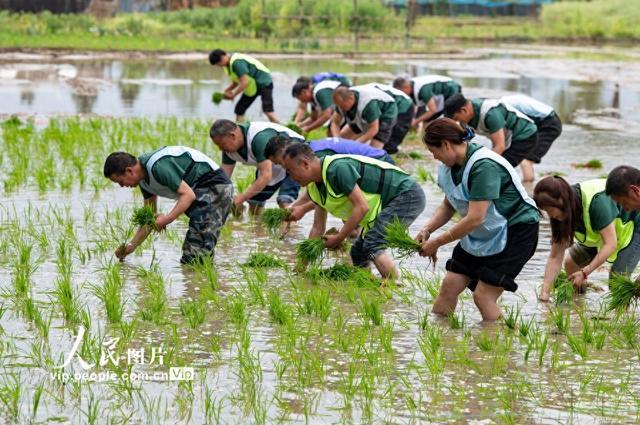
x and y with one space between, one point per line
259 259
397 237
295 127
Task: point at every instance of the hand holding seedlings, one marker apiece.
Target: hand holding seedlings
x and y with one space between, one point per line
228 94
332 241
162 221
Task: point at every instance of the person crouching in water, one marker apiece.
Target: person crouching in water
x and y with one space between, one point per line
599 229
202 190
360 191
498 231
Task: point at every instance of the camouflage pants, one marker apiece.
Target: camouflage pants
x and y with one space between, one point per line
207 215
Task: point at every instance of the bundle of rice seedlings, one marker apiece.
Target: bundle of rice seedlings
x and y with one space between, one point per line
562 291
144 216
217 97
272 218
309 251
259 259
397 237
593 164
342 272
295 127
622 292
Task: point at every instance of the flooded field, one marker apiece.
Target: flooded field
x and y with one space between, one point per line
267 344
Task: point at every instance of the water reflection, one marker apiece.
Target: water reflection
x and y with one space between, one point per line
184 87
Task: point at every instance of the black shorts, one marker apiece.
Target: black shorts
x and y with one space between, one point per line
549 129
499 269
522 149
266 96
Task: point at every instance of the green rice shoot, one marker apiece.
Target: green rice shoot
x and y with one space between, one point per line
295 127
272 218
310 251
622 292
260 259
342 272
217 97
562 292
594 164
397 237
144 216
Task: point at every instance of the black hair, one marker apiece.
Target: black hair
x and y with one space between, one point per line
299 86
276 145
222 127
620 178
117 162
447 129
296 150
303 79
216 55
454 104
399 83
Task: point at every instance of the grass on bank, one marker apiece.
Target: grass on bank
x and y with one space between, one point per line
332 27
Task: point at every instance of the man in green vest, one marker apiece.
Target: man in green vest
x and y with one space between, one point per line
362 192
245 143
249 77
202 190
428 93
320 96
513 134
623 186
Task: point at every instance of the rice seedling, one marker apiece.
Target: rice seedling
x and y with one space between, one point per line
485 342
456 321
525 327
623 292
629 331
279 311
562 292
272 218
37 395
260 259
194 311
255 278
594 164
110 293
397 237
561 319
510 316
295 127
317 302
341 272
217 97
423 175
11 388
309 251
386 337
236 310
370 310
144 216
577 345
205 268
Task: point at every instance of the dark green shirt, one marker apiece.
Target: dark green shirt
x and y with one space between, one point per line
258 143
170 170
499 117
445 88
324 98
490 181
241 67
345 173
402 103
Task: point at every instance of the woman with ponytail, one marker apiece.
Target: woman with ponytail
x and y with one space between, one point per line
601 229
498 231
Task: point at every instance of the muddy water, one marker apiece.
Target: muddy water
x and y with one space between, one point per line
599 102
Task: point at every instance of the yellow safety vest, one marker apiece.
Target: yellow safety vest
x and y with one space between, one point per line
340 205
252 88
592 238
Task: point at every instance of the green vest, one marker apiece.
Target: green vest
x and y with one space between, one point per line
340 205
252 88
592 239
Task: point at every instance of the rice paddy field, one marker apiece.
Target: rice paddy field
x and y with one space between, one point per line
87 339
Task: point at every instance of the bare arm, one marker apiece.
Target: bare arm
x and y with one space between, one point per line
262 181
431 110
243 82
321 118
186 196
334 127
498 141
551 270
442 215
374 126
319 222
228 169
